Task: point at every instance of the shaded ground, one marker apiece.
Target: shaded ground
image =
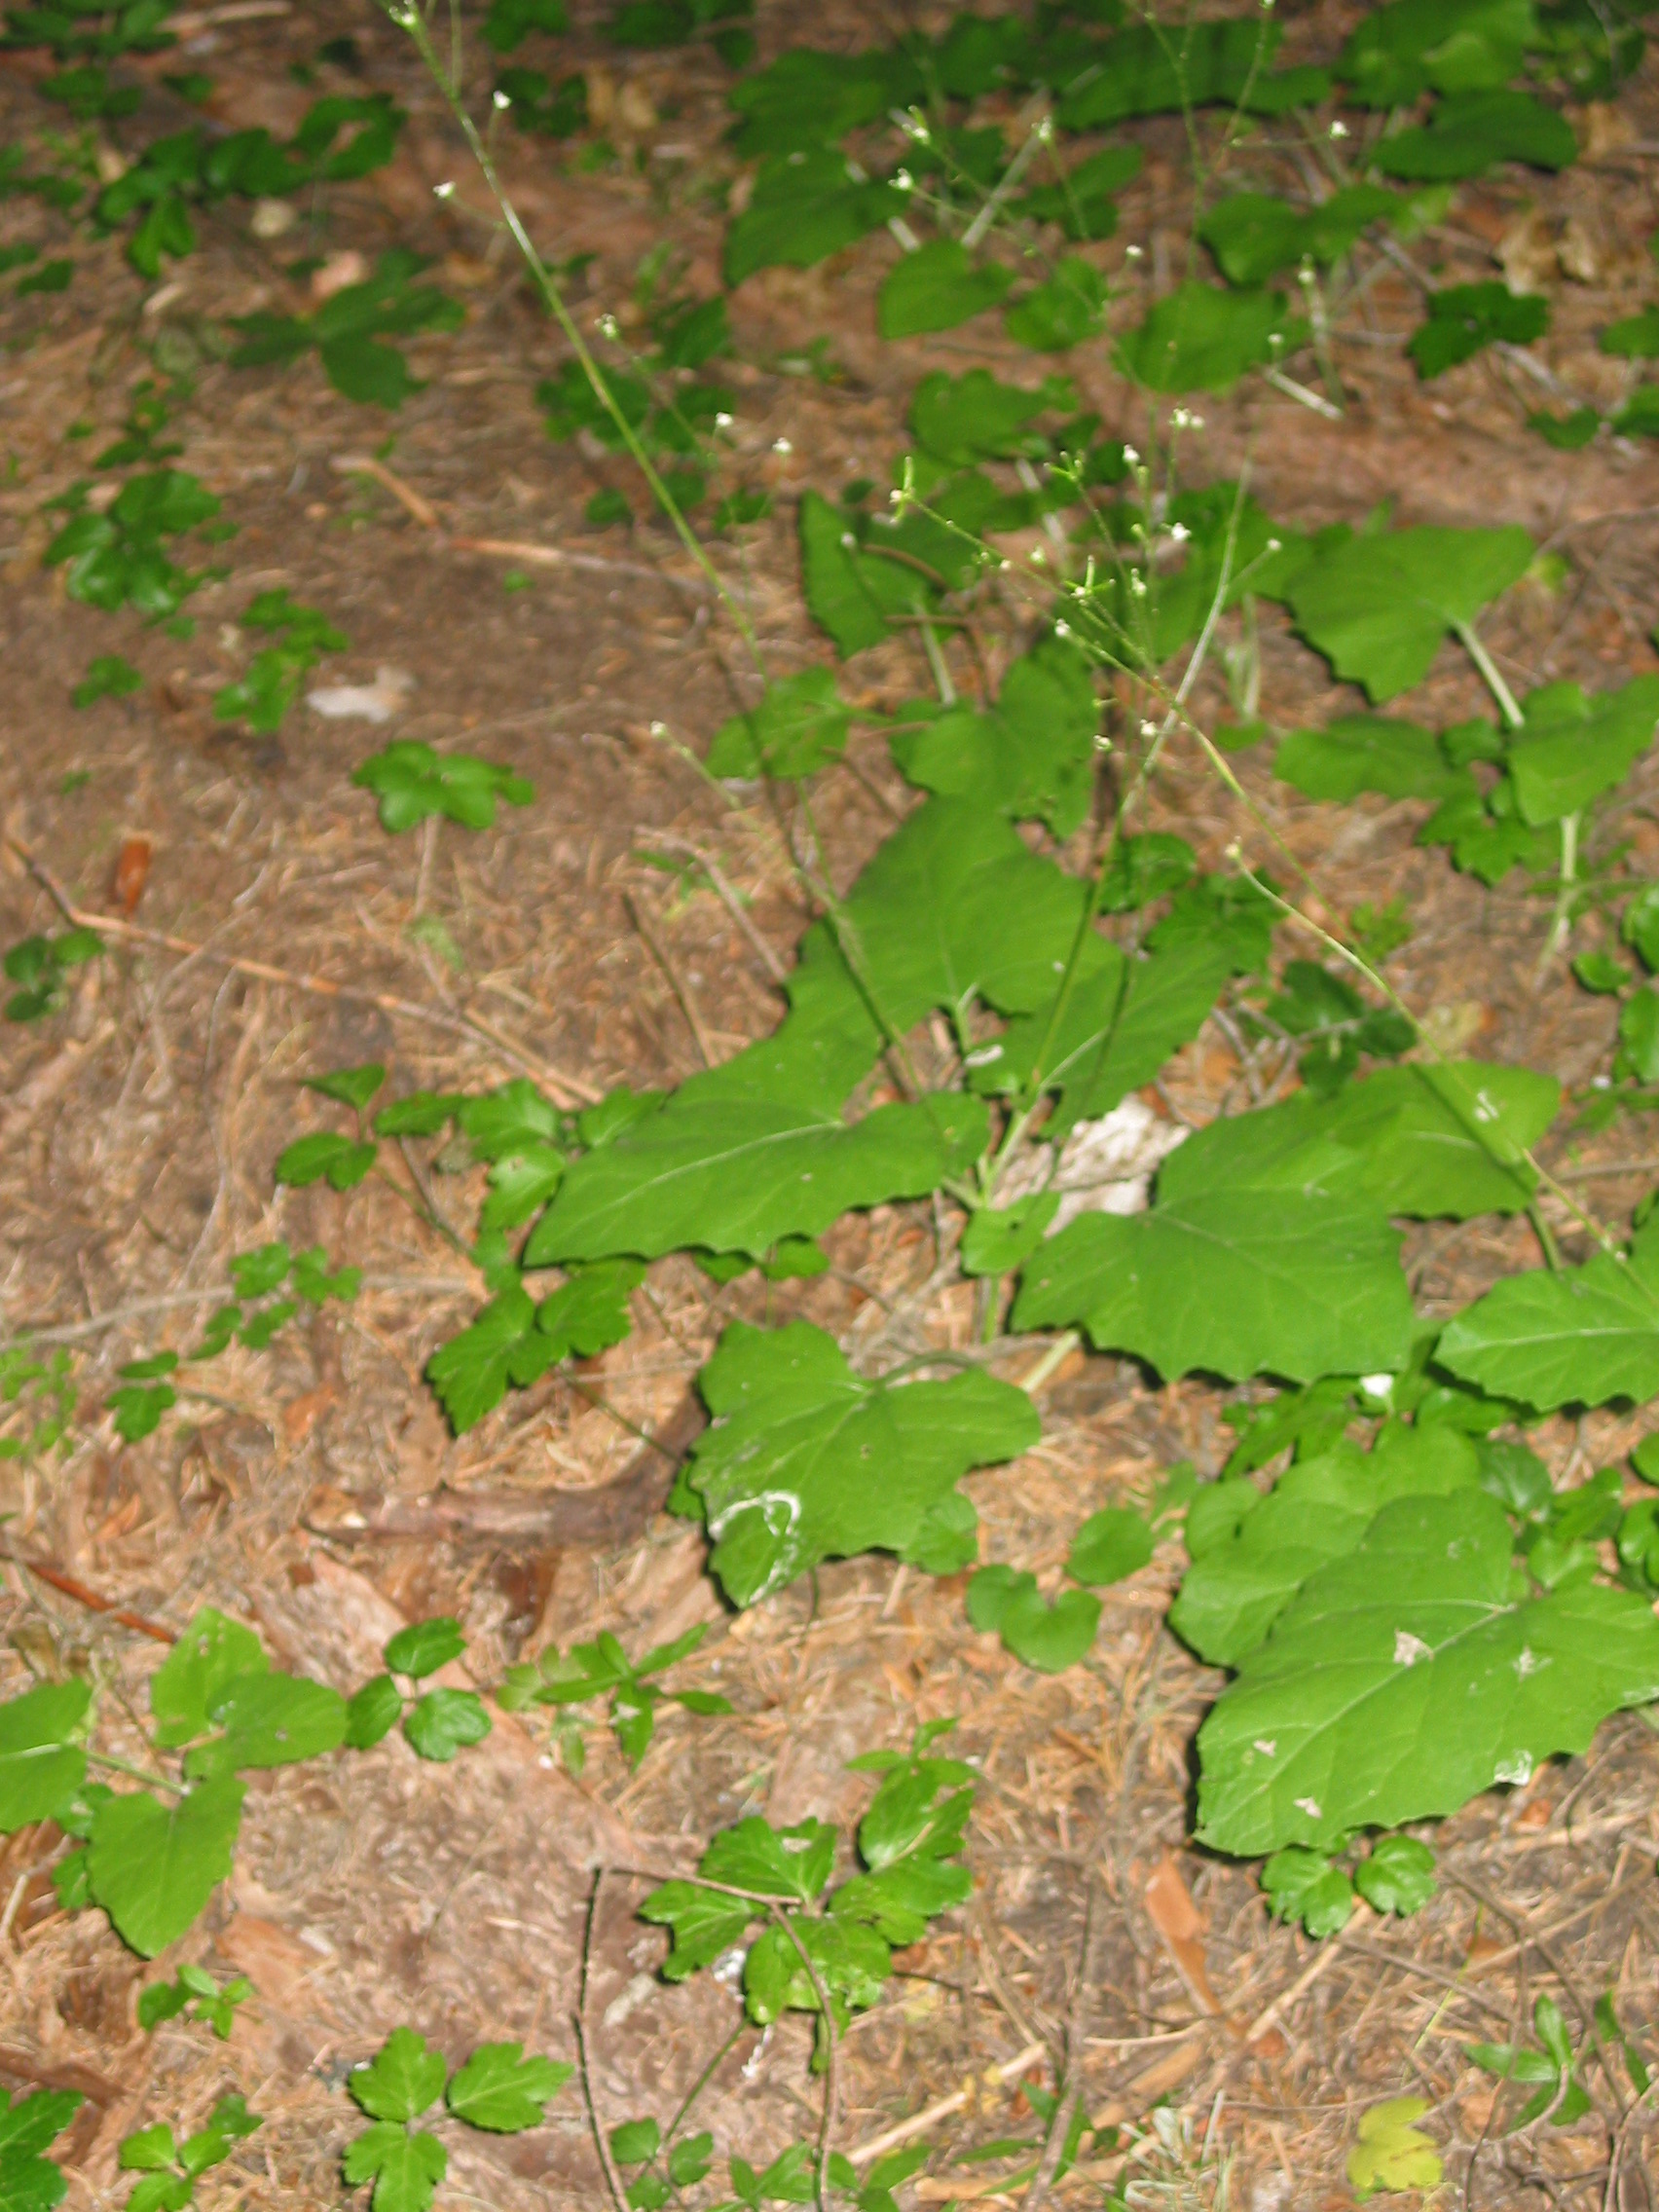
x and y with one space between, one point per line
140 1129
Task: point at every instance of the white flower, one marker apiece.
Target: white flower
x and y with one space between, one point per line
443 191
501 99
1339 130
782 445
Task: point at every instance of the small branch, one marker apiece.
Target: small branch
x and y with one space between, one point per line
643 922
727 895
55 1579
925 2122
577 1092
558 557
407 497
221 1293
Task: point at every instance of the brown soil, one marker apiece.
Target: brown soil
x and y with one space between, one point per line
141 1126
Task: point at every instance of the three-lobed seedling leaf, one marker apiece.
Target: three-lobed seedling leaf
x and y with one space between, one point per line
603 1669
497 2089
172 2168
194 1994
42 966
411 782
437 1723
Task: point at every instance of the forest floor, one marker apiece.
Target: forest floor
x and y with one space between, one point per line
316 1489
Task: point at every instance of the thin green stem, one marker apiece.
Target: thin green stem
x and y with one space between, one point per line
1567 892
408 19
135 1773
1489 674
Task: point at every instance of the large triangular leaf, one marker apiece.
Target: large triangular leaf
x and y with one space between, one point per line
1229 1284
1443 1139
1317 1511
1580 1336
1378 606
1254 1260
937 288
154 1866
1200 338
738 1175
809 1462
1409 1677
1469 133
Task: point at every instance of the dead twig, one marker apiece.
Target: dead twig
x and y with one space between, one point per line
641 921
465 1024
364 465
55 1579
558 557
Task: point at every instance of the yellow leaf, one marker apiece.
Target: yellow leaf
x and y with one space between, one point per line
1392 2154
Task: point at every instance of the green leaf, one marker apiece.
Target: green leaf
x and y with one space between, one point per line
1410 1676
150 2150
1571 432
1063 312
837 597
502 2090
1318 1511
405 2169
961 421
1378 606
1398 1877
411 782
1030 755
809 1462
1582 1336
1572 746
1401 51
1200 338
1083 201
269 1721
1121 1024
635 2141
211 1654
1469 133
502 1347
41 1764
1154 68
1464 318
404 2078
444 1722
800 726
424 1646
1391 2154
154 1866
1305 1886
1111 1544
373 1713
108 676
1254 235
29 2181
350 1087
1246 1263
591 1311
937 288
1046 1637
1369 753
805 205
739 1173
343 1161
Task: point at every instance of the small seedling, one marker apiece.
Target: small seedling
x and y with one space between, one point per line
438 1722
603 1669
412 782
194 1994
172 2170
497 2089
42 965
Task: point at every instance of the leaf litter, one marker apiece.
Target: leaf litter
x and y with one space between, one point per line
1046 1790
